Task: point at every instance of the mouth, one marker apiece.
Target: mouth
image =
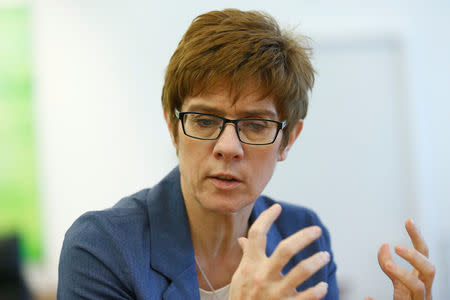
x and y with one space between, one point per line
225 181
225 176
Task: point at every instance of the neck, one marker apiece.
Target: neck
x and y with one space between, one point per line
214 238
214 235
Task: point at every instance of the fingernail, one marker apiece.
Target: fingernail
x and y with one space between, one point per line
411 221
315 232
389 265
325 256
401 249
277 205
323 286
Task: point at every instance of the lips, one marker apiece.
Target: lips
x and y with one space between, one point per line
223 181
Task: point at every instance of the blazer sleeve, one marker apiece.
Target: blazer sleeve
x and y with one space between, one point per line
333 291
91 264
325 245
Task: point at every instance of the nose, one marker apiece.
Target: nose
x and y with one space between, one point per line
228 146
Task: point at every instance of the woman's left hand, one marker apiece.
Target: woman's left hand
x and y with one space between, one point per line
415 284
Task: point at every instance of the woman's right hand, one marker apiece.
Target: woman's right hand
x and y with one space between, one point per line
260 277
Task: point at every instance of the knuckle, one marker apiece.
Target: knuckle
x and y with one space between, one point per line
431 272
285 249
254 232
307 267
311 294
259 280
236 277
244 270
273 296
317 295
419 288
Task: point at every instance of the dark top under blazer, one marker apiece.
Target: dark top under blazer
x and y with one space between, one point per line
141 248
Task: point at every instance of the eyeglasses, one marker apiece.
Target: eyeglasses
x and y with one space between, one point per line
251 131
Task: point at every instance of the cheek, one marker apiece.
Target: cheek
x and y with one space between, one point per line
191 155
264 167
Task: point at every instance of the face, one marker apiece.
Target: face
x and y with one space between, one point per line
225 175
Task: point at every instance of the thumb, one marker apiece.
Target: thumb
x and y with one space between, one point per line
385 256
243 242
369 298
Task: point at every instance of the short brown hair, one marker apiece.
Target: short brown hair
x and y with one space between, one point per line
239 46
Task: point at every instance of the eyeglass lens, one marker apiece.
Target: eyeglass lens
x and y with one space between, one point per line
249 130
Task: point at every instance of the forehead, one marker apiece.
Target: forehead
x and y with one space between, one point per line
220 101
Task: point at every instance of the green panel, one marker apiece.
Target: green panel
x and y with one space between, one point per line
19 207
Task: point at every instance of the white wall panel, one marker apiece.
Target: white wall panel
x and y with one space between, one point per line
350 163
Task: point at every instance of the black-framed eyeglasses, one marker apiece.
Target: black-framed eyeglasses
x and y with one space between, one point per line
253 131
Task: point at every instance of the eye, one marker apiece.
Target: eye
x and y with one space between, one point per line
205 121
255 125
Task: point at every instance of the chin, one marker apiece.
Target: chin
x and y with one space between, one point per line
227 206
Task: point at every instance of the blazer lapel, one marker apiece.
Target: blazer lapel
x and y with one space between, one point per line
183 287
171 250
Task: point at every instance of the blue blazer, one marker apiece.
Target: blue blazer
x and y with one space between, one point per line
141 248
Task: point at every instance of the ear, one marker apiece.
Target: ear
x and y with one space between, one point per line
292 138
170 127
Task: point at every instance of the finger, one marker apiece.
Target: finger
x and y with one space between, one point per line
384 256
316 292
369 298
416 237
414 284
305 269
420 262
257 233
417 260
242 241
290 246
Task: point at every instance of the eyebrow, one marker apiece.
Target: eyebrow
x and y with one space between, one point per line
251 112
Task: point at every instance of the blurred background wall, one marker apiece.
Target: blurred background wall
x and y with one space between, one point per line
373 152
